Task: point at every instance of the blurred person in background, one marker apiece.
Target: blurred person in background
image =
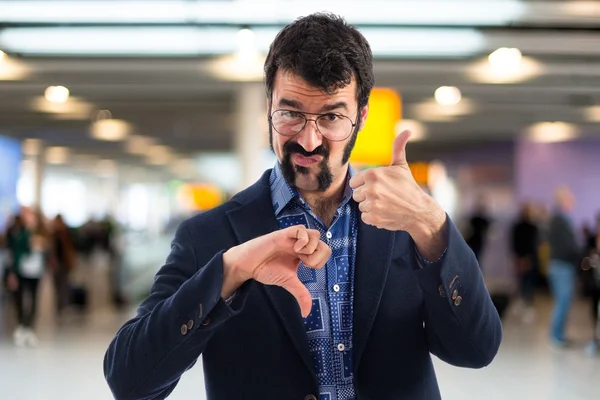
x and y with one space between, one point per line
113 243
4 265
64 258
17 243
524 248
478 227
541 218
317 281
32 266
565 255
591 283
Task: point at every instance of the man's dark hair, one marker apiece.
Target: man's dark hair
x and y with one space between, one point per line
326 52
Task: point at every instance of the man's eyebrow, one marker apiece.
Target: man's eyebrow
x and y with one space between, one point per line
283 102
335 106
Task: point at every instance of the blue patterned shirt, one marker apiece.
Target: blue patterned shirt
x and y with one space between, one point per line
330 323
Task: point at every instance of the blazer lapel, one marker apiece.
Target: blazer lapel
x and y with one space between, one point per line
373 256
255 218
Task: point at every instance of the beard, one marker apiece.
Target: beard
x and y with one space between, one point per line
324 177
291 171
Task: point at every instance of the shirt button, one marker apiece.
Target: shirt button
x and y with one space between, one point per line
336 288
341 347
329 235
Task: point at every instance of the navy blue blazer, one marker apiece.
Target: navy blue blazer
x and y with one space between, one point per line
256 347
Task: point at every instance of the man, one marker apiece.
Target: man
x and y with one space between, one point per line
524 245
316 282
479 225
565 255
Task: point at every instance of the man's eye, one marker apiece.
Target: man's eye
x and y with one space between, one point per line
290 114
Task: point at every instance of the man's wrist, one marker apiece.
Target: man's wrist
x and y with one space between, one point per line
429 232
232 276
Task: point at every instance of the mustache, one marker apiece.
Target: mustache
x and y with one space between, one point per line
290 148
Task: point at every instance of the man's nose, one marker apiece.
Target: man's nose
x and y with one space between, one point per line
310 138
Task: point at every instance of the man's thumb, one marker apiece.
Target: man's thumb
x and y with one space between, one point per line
399 150
302 295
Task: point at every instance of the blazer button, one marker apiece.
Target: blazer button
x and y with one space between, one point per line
458 301
184 329
200 313
454 294
442 291
310 397
206 322
190 324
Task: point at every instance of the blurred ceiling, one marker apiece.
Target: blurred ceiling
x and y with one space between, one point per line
419 46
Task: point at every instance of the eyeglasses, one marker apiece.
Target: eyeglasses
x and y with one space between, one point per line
333 126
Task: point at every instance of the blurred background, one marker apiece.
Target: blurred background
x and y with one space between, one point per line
118 119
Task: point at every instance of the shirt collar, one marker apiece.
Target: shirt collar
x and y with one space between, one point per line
282 193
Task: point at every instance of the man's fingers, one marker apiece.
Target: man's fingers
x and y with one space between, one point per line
364 206
359 194
300 234
357 180
313 241
318 258
301 293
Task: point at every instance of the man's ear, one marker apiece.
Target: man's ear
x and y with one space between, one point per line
364 112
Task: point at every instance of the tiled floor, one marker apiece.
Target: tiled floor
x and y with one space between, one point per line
68 364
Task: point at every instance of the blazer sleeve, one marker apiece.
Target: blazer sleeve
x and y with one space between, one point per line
461 323
173 325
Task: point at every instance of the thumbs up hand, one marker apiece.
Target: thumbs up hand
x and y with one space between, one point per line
390 198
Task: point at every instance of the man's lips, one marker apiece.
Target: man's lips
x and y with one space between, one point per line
304 161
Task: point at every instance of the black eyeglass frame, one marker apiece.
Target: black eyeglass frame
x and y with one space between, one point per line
319 115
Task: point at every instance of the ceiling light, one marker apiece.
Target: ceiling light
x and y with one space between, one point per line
245 65
56 94
417 129
551 132
211 41
103 114
74 108
140 145
57 155
432 111
31 147
11 69
506 59
447 95
424 42
245 43
486 71
423 12
592 114
112 130
585 9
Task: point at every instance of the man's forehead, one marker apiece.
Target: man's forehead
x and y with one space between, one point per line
289 79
